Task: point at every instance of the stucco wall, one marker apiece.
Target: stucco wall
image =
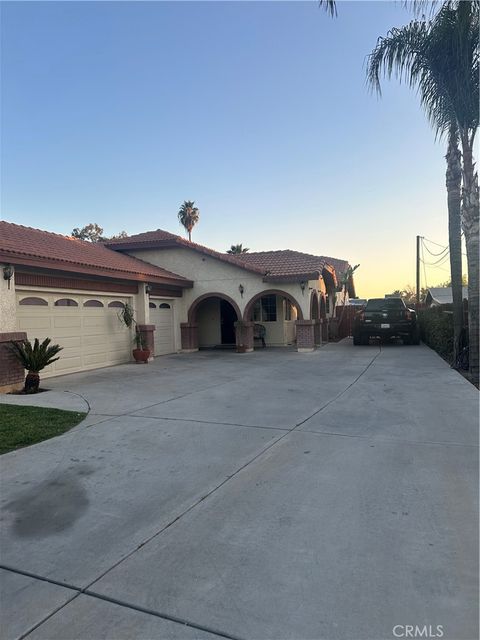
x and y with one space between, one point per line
211 275
8 307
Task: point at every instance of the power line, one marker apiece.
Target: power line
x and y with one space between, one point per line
436 254
442 246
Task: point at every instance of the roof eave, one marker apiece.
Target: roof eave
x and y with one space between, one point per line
113 274
293 277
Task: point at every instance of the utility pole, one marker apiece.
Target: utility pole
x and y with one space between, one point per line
418 270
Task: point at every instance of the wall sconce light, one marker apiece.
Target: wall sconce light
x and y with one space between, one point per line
241 288
303 284
148 289
8 273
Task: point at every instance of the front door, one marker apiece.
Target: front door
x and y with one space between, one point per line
227 319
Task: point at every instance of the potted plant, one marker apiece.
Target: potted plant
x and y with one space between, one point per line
34 359
142 352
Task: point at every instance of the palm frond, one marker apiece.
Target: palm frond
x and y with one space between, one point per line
330 6
439 59
36 357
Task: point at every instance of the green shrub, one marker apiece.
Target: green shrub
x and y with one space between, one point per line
436 330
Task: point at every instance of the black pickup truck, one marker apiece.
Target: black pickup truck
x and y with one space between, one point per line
386 318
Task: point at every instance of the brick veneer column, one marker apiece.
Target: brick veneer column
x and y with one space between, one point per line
12 374
189 333
244 336
318 333
147 332
324 322
305 335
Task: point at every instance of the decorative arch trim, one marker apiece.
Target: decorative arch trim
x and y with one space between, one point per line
192 312
269 292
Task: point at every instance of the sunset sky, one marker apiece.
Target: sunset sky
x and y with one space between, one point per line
117 112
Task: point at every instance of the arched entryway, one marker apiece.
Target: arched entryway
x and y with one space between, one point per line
214 316
314 306
277 312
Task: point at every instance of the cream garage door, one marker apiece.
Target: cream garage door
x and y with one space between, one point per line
86 326
161 315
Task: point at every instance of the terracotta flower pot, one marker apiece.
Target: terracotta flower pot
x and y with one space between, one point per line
141 355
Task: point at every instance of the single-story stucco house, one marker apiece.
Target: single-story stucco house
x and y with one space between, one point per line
185 296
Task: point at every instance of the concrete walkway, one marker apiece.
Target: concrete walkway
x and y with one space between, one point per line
271 495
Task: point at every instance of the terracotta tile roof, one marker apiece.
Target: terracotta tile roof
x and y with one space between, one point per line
285 263
280 265
163 239
34 247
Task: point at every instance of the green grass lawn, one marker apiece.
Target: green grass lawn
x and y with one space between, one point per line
21 426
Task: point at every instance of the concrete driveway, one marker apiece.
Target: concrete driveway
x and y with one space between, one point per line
271 495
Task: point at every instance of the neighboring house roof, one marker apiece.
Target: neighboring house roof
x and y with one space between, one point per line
284 265
33 247
442 295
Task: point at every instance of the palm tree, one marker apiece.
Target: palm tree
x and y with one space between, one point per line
188 216
439 58
237 248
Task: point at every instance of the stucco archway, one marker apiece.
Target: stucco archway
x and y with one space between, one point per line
192 312
213 316
268 292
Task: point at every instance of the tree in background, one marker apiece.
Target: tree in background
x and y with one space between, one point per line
188 216
237 248
94 233
91 233
439 58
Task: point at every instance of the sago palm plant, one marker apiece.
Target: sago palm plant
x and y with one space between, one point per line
34 359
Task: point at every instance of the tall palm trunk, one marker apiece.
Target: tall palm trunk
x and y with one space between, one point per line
453 182
470 224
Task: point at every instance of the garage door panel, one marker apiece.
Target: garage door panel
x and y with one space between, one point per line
68 342
34 324
91 337
95 358
65 362
94 341
67 322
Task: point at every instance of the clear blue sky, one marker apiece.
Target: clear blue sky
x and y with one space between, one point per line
116 112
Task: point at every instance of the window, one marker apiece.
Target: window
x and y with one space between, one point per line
40 302
92 303
116 304
381 304
164 305
152 305
66 302
265 309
